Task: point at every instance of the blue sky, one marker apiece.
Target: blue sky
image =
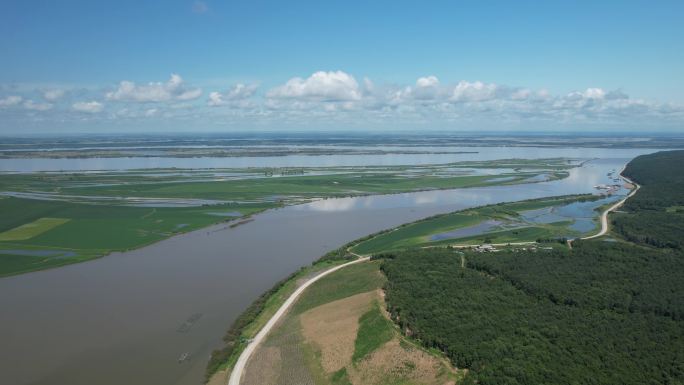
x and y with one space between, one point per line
316 65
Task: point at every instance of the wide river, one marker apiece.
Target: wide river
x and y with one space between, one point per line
468 154
117 319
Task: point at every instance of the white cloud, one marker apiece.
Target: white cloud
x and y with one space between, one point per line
90 107
589 93
173 89
31 105
325 86
216 99
428 81
594 93
235 93
53 94
10 101
336 98
427 88
473 92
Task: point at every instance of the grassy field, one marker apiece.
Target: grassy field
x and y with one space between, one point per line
355 279
418 234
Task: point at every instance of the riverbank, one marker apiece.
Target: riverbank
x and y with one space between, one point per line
255 322
267 309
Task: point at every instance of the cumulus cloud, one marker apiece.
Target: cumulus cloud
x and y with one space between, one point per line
473 92
31 105
9 101
237 92
588 94
324 86
426 88
335 97
173 89
89 107
428 81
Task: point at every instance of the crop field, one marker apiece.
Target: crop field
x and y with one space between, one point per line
30 230
510 227
337 334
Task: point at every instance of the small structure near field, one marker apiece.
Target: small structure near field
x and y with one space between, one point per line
485 248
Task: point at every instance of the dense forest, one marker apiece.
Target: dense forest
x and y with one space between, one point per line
605 312
655 215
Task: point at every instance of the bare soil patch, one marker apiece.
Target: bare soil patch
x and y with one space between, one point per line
332 328
397 362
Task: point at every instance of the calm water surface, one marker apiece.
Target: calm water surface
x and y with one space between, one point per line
483 153
115 320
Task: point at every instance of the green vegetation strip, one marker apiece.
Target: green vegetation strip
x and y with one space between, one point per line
418 234
374 331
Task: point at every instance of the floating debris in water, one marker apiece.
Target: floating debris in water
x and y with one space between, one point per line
189 323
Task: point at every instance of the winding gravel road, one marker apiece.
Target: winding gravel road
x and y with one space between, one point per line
604 216
239 368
